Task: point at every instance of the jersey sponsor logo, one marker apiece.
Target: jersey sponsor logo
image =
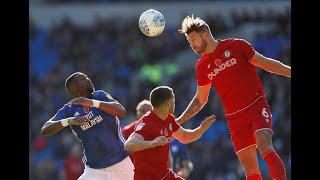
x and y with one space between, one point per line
140 126
91 123
227 53
89 115
222 67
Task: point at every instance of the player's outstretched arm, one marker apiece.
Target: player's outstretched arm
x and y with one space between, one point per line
52 127
271 65
114 108
196 104
186 136
136 142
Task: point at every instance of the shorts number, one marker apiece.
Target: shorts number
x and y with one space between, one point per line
265 113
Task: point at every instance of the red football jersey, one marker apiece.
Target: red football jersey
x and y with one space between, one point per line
234 78
128 129
154 160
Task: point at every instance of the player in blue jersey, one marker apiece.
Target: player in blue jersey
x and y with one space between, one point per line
93 118
180 159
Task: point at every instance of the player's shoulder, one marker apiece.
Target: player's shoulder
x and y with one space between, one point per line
133 123
101 95
68 107
99 92
145 122
130 125
146 117
236 41
230 41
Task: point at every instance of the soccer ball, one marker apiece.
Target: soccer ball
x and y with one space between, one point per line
151 23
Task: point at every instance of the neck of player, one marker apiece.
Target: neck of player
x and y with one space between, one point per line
161 112
211 46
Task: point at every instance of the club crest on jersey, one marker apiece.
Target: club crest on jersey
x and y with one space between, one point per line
86 109
140 126
227 53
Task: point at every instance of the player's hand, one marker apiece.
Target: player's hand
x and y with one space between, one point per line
82 101
79 121
159 141
206 123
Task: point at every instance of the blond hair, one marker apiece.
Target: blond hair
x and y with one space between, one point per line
142 103
190 24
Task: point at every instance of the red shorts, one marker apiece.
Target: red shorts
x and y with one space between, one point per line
170 175
244 124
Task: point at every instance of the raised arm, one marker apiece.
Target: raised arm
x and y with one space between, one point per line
136 142
186 136
114 108
271 65
196 104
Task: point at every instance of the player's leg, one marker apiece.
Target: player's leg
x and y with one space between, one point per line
244 145
261 125
272 159
249 162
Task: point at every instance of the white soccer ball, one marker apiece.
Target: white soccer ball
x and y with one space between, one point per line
151 23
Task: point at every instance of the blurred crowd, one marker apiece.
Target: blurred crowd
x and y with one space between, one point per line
122 61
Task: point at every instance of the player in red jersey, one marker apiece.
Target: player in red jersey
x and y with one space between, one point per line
150 141
230 66
142 107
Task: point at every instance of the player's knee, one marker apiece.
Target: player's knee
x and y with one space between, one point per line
264 140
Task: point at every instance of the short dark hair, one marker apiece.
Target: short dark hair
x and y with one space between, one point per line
160 94
69 80
190 24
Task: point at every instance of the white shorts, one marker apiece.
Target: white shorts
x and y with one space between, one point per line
123 170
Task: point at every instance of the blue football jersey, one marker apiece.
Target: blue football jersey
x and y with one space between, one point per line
101 137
